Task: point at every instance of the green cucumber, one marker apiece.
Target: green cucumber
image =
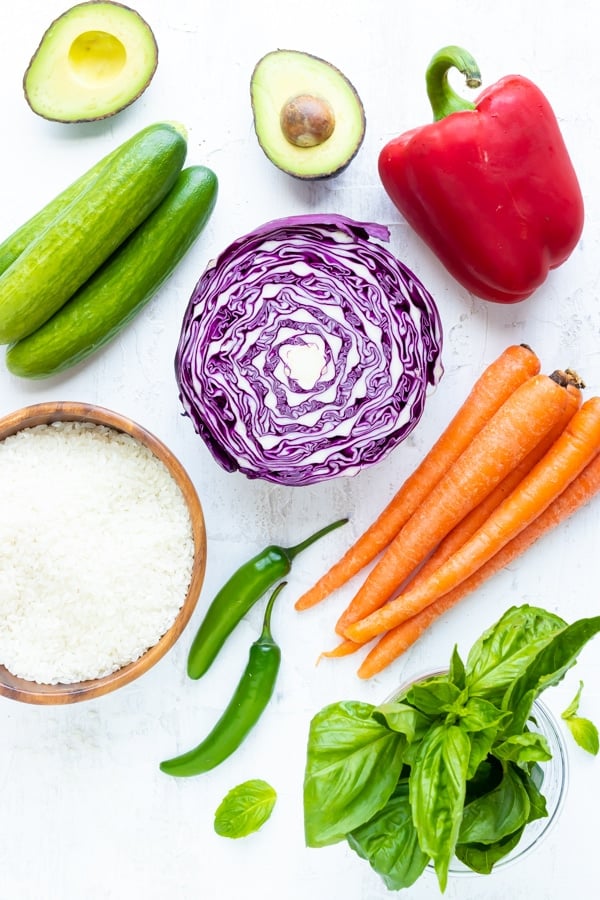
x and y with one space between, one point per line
19 240
89 230
123 285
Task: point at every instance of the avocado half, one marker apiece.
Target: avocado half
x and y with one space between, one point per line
308 118
93 61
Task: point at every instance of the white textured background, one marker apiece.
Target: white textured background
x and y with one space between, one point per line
85 812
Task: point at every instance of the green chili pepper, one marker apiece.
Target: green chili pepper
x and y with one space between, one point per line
239 594
244 709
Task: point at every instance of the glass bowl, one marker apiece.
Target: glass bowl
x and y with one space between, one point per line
554 784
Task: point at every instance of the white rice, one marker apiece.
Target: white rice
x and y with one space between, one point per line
96 551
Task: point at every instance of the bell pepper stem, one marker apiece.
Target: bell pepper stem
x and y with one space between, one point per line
444 100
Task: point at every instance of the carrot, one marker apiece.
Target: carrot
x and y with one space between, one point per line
531 411
475 519
396 641
344 648
570 454
516 364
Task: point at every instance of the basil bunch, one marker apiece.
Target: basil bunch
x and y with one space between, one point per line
450 767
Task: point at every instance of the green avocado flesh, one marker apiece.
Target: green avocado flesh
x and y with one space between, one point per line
94 60
308 118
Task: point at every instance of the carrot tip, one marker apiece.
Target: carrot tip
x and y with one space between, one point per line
345 648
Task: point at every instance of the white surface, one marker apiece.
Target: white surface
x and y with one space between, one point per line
85 811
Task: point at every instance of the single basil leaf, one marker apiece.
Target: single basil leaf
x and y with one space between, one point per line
434 698
437 786
438 678
245 809
481 745
505 649
585 733
478 714
549 666
482 858
456 673
521 713
524 748
573 706
389 842
495 815
532 781
403 718
353 764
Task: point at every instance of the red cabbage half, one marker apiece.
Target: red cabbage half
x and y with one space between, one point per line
306 350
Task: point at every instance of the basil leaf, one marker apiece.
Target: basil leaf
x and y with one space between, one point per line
549 666
403 718
482 858
573 706
585 734
505 650
389 842
583 730
411 752
498 814
478 714
524 748
353 764
481 745
456 673
434 697
245 809
532 782
437 786
521 712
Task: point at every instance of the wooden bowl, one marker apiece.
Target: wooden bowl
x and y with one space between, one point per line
42 414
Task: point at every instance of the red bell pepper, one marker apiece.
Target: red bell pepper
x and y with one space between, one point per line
489 186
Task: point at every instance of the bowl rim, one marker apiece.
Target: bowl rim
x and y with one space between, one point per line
16 688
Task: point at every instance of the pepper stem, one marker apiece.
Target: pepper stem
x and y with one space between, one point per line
266 636
291 552
443 99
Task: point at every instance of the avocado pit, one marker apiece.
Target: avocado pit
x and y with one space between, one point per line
307 121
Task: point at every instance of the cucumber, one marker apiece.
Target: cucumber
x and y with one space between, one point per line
84 235
20 239
123 285
14 244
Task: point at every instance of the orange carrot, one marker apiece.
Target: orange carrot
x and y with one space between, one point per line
475 519
521 422
503 376
396 641
344 648
570 454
